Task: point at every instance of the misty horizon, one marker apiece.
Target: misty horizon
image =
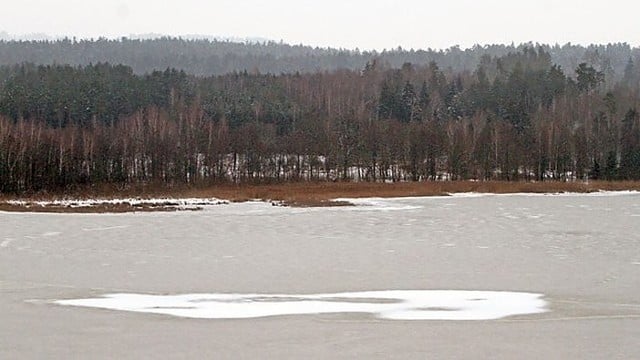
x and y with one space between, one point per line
375 25
6 36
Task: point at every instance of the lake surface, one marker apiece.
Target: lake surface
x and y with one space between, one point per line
580 252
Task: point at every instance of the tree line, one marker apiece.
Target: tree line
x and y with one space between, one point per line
206 57
513 117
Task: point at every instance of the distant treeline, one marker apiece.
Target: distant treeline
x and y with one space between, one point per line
517 116
211 57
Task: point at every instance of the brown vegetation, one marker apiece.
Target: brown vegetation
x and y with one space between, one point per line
94 209
302 194
316 192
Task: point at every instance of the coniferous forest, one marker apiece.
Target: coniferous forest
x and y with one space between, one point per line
275 113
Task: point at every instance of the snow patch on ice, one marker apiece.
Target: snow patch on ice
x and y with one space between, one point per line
468 195
5 243
51 233
376 204
392 305
106 228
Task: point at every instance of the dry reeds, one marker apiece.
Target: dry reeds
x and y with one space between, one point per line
308 193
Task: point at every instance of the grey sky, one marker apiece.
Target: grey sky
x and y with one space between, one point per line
364 24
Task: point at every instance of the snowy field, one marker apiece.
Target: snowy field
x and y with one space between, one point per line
465 276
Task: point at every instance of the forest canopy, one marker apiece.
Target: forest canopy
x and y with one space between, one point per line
205 57
521 114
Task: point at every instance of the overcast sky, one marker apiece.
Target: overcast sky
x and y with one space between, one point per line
367 24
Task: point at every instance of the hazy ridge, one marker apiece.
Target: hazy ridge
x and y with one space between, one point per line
202 55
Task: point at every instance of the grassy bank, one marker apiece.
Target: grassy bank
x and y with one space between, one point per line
290 194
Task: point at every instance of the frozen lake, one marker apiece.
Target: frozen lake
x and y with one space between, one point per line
581 253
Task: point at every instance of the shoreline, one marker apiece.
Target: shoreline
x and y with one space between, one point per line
154 198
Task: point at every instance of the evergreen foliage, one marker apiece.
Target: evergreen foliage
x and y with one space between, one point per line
517 116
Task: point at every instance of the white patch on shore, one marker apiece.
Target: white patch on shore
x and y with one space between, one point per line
183 203
575 194
391 305
396 203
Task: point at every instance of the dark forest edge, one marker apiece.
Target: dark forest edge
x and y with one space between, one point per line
518 117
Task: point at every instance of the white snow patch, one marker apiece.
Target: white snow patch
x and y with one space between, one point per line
376 204
51 233
106 228
6 243
468 195
392 305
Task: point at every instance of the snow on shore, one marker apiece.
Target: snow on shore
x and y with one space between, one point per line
364 203
383 202
560 194
396 203
185 203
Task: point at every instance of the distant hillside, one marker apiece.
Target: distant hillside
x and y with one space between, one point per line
204 56
514 117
